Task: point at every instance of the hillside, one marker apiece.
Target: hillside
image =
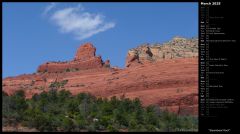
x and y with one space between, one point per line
165 75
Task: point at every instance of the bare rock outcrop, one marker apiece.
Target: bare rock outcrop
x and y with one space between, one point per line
85 58
176 48
167 77
85 52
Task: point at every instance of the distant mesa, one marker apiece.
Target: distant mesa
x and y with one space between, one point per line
85 58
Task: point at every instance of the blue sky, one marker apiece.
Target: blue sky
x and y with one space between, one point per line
34 33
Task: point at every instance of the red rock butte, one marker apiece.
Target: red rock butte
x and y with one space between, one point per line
85 52
162 74
84 59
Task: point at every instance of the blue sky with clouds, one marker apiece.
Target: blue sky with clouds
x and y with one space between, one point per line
34 33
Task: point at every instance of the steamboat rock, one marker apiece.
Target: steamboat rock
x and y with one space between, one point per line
165 75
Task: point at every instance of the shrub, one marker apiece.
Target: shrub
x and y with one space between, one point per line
61 111
112 128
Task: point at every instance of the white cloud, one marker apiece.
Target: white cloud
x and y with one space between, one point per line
49 7
81 24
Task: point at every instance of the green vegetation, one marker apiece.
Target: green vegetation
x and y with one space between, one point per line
72 69
57 85
61 111
107 65
80 85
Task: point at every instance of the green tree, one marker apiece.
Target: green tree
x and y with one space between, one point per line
67 124
63 95
61 111
112 128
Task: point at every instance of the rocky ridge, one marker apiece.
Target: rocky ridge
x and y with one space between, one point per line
169 82
85 58
178 47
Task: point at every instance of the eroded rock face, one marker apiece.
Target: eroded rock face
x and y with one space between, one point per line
84 59
182 105
172 83
176 48
85 52
132 58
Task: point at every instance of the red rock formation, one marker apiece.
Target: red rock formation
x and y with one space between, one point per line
85 52
181 105
132 58
107 63
171 83
84 59
176 48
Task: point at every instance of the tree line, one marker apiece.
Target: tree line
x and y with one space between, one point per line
61 111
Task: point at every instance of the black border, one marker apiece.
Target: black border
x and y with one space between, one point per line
231 24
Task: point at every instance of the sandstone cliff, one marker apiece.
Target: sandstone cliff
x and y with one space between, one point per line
170 82
84 59
176 48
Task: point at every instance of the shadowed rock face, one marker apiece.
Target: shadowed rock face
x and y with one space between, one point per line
171 83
